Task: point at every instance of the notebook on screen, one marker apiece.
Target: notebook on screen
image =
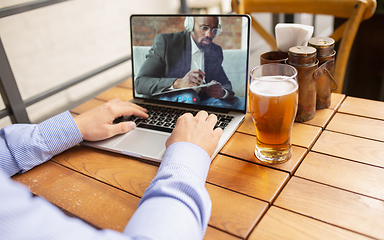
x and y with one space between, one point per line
184 63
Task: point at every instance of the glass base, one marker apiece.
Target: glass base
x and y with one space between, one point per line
273 155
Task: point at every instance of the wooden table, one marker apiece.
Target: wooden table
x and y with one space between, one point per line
332 188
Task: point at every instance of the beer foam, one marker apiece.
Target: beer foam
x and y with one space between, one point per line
273 86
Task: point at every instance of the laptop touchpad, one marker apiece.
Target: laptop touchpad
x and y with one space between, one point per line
142 142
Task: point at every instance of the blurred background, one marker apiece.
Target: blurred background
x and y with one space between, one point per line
51 45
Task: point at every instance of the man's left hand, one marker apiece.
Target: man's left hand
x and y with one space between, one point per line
97 123
215 91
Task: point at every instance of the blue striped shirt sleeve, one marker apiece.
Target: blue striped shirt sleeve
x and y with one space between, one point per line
23 146
179 188
176 205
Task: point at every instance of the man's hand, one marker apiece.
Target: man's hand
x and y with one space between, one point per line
197 130
191 79
97 124
215 91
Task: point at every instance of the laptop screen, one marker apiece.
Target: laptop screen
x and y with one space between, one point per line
195 60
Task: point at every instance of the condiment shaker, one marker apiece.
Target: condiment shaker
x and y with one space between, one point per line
303 58
324 75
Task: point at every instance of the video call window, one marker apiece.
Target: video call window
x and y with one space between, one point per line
161 53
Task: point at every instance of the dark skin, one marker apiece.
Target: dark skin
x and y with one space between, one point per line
195 77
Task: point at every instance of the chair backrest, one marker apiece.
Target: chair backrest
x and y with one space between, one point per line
354 11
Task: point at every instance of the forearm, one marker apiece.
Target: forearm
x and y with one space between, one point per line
175 206
179 188
150 85
26 217
24 146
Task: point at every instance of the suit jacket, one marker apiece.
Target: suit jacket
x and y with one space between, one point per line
170 58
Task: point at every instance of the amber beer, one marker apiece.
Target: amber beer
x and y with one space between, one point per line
273 103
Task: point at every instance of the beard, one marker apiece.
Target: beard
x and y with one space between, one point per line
205 43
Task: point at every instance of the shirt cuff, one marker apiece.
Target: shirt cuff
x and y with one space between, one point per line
188 155
226 94
60 132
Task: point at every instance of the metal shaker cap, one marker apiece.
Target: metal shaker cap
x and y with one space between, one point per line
302 55
324 45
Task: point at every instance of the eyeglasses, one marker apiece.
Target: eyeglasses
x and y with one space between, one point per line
204 29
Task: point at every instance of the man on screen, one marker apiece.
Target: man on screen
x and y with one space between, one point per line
188 59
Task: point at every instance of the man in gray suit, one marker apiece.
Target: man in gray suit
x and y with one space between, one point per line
188 59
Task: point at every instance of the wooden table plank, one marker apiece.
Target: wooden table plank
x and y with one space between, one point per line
350 147
243 146
120 171
358 126
89 199
126 84
107 207
116 92
214 234
363 107
303 135
74 114
356 177
87 106
247 178
336 100
280 224
335 206
322 118
133 176
234 213
247 126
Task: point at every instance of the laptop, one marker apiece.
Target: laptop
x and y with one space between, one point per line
155 41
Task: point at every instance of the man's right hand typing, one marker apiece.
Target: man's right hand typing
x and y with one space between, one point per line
198 130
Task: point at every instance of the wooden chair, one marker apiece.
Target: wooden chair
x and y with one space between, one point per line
197 5
354 11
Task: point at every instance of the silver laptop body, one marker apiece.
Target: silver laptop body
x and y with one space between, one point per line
234 40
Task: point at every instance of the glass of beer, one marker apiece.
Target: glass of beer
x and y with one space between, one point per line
273 98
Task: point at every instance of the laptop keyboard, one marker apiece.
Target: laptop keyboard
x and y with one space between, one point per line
164 118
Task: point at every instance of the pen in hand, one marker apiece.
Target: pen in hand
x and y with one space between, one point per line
195 62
